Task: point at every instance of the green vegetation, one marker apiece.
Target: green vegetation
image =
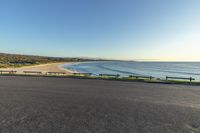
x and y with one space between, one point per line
13 60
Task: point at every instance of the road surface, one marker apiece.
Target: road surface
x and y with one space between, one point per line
63 105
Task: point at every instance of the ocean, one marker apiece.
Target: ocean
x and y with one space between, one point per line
126 68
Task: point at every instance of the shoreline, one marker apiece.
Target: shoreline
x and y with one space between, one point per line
49 67
59 67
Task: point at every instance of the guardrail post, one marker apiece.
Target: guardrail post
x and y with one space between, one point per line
191 79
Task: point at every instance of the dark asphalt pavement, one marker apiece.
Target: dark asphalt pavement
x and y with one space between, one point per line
61 105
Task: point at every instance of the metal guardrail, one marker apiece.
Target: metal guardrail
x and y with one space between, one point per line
7 72
144 77
32 72
82 74
110 75
12 72
56 73
190 78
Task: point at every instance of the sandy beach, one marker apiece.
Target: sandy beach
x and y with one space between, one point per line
51 67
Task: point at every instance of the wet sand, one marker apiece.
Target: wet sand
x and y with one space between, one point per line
51 67
41 104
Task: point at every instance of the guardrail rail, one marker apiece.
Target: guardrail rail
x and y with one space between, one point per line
82 74
32 72
110 75
181 78
56 73
7 72
144 77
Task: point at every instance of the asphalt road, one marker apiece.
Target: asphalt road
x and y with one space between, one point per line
61 105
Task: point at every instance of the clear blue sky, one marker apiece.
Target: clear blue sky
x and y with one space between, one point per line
117 29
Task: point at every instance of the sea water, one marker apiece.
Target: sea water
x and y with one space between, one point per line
126 68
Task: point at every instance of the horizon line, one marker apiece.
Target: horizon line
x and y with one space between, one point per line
100 58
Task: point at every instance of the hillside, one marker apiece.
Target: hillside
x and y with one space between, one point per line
14 60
